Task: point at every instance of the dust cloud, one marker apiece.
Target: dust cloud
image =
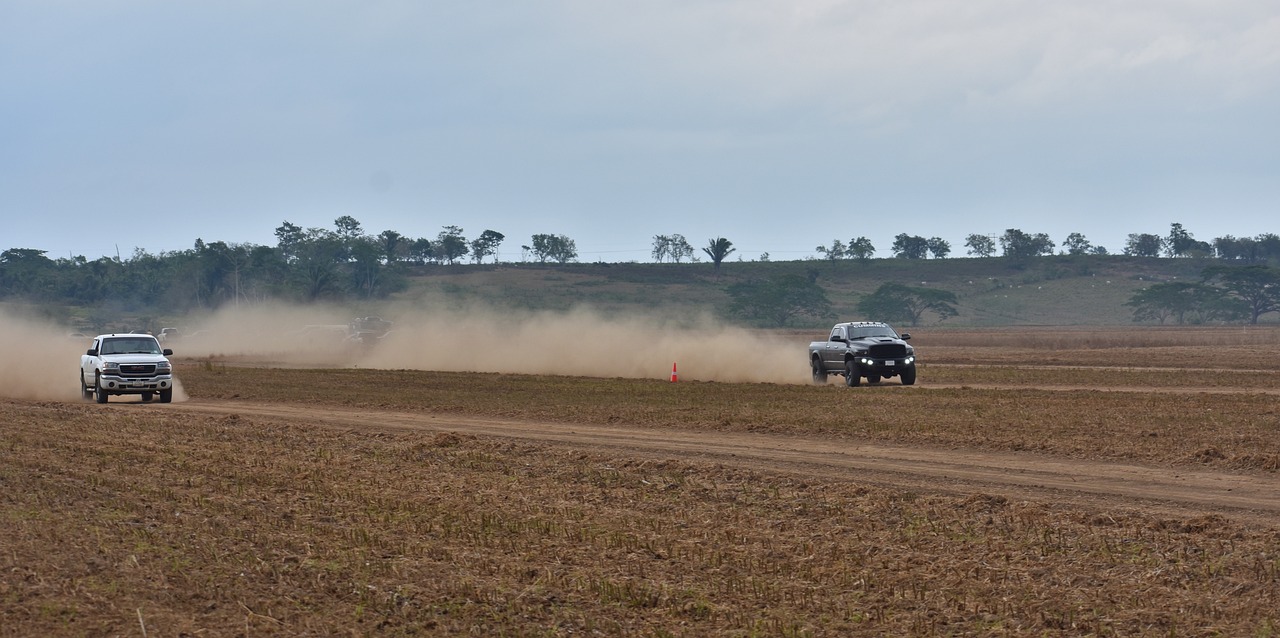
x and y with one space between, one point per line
578 342
43 361
439 336
584 343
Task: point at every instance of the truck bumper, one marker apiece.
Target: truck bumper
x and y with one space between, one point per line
885 367
133 385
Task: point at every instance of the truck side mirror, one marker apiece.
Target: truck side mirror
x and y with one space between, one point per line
167 352
906 336
91 352
838 338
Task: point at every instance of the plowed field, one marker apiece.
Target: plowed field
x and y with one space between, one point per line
1032 483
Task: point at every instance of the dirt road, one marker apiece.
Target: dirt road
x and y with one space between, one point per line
1107 486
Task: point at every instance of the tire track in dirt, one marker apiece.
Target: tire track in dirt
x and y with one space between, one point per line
1163 490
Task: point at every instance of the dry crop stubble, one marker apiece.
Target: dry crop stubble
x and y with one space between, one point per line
1237 430
133 516
226 525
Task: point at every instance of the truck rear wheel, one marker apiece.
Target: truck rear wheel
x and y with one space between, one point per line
86 392
819 373
852 376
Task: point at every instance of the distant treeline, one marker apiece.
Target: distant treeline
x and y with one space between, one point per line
347 264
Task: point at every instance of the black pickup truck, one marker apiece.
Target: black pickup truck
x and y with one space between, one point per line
861 349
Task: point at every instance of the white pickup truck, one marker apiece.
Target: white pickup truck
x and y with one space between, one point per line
126 364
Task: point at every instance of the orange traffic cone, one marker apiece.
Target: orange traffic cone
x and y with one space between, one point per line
674 377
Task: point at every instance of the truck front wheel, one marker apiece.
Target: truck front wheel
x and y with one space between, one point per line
909 376
819 372
102 392
166 396
852 376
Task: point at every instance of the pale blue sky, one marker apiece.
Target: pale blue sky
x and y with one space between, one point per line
779 124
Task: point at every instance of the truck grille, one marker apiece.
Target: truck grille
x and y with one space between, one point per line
887 351
138 370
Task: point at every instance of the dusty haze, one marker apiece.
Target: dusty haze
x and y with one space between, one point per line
44 361
577 342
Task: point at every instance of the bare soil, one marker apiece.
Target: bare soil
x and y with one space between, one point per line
1011 498
1143 488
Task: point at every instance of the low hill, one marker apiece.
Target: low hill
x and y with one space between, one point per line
1055 290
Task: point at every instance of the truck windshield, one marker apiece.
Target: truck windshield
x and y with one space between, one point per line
862 332
130 346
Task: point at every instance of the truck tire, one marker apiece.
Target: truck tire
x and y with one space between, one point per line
852 376
166 396
909 376
875 378
86 392
819 373
102 393
146 396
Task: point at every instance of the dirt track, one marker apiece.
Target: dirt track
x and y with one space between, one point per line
1109 485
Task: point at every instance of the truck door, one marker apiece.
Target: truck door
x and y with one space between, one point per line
833 353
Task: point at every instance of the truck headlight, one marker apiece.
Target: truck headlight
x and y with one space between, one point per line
164 366
110 366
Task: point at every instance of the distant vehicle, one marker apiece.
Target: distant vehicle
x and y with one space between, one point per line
376 325
368 330
863 349
322 333
169 334
131 363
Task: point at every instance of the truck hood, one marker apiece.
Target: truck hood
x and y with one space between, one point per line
134 358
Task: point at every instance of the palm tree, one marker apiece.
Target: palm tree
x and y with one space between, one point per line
717 249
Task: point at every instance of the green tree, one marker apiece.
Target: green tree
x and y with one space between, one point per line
1018 245
420 250
557 248
1143 245
26 272
1184 302
717 249
1180 243
836 252
450 245
1258 287
910 246
390 243
1076 244
486 244
366 266
899 303
860 249
980 245
229 266
348 232
777 302
938 247
315 272
671 247
288 237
